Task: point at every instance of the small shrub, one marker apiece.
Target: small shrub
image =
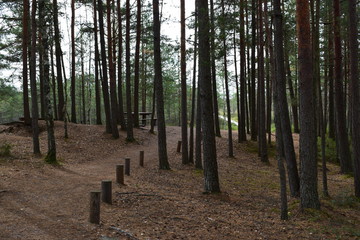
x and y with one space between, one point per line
5 149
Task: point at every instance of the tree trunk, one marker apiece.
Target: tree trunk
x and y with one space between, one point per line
113 97
184 140
252 91
34 104
354 79
120 67
308 181
129 124
162 149
242 129
137 64
97 58
105 86
213 71
207 117
261 86
73 64
44 50
53 80
58 54
230 142
25 45
341 131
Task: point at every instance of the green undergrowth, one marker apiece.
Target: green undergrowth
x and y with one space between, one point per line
5 149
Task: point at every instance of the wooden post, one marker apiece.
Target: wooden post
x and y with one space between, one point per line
95 207
127 166
120 174
178 146
141 159
106 192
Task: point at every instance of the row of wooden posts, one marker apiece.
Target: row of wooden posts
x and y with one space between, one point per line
106 189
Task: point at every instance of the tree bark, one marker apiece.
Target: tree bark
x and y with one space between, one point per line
252 92
137 64
355 96
207 117
34 104
120 67
97 58
73 64
25 45
242 131
162 149
308 172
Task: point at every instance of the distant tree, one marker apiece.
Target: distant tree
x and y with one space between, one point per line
308 153
73 64
105 87
113 97
120 68
261 89
354 78
213 69
208 133
137 65
129 122
184 146
25 45
34 103
162 149
341 129
97 58
58 54
252 92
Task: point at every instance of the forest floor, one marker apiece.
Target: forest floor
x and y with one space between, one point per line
41 201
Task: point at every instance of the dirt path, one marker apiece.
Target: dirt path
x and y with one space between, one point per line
45 202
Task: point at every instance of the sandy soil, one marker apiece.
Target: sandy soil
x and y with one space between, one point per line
40 201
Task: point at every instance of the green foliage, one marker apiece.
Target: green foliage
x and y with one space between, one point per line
346 200
10 102
5 149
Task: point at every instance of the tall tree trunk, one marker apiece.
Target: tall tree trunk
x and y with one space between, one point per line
105 86
341 131
252 91
83 112
193 98
261 86
34 104
129 125
330 50
25 45
58 55
270 76
237 87
44 50
354 78
230 142
120 67
73 64
242 129
308 172
97 58
184 135
198 136
213 70
281 105
113 97
207 117
162 149
137 64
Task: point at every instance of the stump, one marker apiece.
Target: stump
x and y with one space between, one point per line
106 191
178 146
141 159
127 166
120 174
95 207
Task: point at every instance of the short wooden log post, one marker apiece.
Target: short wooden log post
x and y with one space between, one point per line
127 166
120 174
141 159
178 146
106 191
95 207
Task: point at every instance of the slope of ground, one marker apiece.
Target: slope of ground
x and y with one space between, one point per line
40 201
